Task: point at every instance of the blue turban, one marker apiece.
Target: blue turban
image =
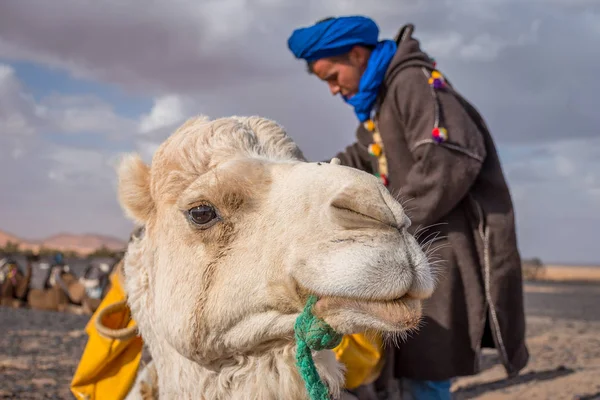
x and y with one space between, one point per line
333 37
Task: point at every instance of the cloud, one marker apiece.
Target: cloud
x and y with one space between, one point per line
146 46
502 54
185 46
527 66
58 155
49 175
82 115
17 111
556 190
166 112
483 47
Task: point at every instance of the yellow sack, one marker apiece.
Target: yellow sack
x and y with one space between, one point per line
108 367
362 354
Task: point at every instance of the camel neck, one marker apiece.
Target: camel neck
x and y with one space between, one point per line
268 375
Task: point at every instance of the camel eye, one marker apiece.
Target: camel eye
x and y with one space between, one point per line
203 216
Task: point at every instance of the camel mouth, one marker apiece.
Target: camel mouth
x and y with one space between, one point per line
396 315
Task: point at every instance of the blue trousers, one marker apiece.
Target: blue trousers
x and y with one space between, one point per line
428 390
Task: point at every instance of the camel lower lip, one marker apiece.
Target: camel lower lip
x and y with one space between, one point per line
323 299
405 311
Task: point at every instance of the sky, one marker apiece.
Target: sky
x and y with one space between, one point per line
82 82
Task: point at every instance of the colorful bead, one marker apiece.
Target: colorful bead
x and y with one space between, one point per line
384 179
437 83
375 149
370 125
439 134
437 80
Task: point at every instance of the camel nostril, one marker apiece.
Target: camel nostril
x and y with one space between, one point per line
358 206
355 217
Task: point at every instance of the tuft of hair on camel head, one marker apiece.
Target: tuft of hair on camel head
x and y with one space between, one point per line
196 147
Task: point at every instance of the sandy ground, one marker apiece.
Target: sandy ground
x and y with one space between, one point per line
39 351
563 273
563 336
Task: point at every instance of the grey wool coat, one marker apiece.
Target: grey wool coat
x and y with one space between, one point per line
457 190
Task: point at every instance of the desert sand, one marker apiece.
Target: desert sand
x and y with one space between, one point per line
570 273
39 351
563 337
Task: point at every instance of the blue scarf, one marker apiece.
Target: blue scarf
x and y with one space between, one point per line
371 79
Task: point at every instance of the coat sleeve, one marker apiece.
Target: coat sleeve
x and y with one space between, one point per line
442 173
356 155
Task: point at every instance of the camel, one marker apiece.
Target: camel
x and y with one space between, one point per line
13 283
239 231
54 287
45 286
95 280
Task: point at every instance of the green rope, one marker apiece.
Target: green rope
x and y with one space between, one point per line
313 333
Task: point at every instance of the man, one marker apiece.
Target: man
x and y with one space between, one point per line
431 148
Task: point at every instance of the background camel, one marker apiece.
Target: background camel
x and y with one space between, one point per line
13 283
43 284
53 286
95 280
239 231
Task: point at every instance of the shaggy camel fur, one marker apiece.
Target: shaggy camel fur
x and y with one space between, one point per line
239 231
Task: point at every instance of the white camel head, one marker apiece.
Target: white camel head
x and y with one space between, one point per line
240 230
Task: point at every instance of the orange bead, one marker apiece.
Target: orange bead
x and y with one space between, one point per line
370 125
375 149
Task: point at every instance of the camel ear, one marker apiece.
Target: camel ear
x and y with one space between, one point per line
134 188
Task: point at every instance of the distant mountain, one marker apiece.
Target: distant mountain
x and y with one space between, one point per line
7 237
82 243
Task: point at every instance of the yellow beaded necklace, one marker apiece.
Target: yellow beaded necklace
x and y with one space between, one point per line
440 134
376 150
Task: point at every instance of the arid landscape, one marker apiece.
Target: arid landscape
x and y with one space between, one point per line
570 273
82 244
563 321
477 116
39 350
